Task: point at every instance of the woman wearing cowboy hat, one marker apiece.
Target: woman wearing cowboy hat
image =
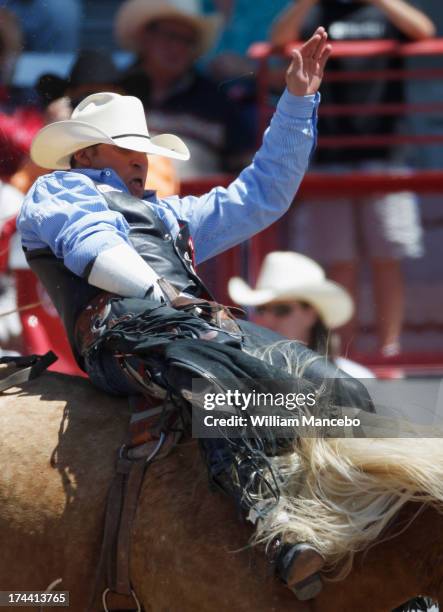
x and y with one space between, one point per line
293 298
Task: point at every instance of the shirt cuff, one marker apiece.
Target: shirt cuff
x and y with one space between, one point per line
300 107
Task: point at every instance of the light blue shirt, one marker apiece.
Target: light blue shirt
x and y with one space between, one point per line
67 212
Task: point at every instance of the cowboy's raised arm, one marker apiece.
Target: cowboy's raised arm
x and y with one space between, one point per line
264 191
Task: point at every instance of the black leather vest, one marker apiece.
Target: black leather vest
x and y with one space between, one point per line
171 259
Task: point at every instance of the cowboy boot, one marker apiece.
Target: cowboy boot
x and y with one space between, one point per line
298 566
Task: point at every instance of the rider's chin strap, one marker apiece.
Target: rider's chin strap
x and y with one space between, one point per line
33 366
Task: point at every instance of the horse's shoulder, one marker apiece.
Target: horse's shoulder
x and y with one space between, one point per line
56 409
53 387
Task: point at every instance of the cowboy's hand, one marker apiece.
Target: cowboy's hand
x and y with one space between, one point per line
305 73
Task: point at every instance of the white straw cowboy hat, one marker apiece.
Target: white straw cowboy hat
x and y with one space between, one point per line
134 15
106 118
286 276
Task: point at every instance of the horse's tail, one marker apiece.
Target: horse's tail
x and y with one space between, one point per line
339 494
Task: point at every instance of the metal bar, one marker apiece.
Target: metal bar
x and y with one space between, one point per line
410 74
382 140
347 183
357 48
336 110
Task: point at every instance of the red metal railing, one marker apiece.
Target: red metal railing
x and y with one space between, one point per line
261 52
348 183
359 48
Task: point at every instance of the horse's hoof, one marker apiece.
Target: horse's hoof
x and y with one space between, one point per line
308 588
297 563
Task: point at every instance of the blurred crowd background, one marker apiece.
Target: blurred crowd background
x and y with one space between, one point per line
188 62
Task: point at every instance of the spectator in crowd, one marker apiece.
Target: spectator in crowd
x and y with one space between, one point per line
48 25
388 226
20 118
168 37
93 71
293 298
246 22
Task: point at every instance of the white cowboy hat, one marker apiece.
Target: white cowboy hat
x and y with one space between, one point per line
134 15
107 118
286 276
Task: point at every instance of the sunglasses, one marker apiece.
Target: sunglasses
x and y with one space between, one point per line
278 310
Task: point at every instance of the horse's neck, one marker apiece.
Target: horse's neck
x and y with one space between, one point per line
199 545
180 519
406 562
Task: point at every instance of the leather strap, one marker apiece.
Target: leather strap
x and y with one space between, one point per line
122 583
169 291
214 313
121 507
114 559
33 366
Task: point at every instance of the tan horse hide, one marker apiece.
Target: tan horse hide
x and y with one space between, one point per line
59 439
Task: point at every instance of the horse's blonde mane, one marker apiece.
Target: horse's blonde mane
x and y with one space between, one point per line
339 494
282 354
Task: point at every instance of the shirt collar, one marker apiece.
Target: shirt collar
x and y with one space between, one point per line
108 176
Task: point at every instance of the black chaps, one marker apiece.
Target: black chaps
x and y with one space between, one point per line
174 349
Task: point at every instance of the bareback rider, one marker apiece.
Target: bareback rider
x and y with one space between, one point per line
90 230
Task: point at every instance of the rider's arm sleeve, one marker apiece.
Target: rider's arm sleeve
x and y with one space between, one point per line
122 271
264 191
64 211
